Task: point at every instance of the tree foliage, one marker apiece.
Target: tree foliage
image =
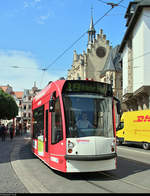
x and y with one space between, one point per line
8 106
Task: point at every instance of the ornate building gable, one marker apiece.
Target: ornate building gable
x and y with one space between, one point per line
89 65
97 55
79 63
112 71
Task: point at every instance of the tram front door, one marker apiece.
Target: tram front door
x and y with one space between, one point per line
46 135
58 147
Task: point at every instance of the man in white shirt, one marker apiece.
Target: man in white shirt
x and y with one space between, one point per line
84 123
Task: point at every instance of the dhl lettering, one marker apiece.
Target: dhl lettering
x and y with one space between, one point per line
142 119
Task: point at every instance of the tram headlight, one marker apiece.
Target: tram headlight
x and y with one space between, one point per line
70 146
113 146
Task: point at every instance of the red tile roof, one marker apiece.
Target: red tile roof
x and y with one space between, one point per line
4 88
19 94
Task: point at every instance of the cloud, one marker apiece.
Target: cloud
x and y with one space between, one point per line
26 4
42 19
42 13
31 3
20 70
37 1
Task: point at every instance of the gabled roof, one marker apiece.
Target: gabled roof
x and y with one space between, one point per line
139 7
19 94
113 61
4 88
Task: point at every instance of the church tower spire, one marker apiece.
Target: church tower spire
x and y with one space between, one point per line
91 31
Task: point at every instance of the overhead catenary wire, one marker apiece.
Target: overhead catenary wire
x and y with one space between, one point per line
67 49
75 41
44 69
112 4
47 67
19 67
136 58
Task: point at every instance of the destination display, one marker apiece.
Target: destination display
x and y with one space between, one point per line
87 86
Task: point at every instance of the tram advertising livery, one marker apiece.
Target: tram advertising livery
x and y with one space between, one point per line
73 126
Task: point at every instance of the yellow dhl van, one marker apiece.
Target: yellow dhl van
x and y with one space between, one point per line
134 127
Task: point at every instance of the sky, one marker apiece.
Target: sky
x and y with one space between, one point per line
42 34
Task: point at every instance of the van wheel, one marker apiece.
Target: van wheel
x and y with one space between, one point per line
146 146
118 142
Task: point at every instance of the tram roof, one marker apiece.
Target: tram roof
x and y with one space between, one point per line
58 83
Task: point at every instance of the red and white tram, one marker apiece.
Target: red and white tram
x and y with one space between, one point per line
73 126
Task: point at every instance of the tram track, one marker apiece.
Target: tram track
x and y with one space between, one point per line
126 181
98 186
110 178
101 187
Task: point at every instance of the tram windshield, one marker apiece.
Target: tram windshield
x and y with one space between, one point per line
88 115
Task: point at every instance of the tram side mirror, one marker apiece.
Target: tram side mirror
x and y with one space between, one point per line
51 105
118 106
52 102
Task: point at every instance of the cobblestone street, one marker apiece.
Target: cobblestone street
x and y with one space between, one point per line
9 182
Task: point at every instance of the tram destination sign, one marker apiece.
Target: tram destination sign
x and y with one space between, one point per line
87 86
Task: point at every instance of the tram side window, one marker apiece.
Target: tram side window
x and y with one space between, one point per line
57 130
38 126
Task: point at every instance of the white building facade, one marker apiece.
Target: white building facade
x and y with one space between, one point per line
135 49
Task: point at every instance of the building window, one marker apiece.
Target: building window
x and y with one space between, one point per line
29 98
78 77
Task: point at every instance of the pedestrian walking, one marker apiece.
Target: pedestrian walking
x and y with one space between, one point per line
25 129
11 132
17 130
20 129
0 129
3 132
